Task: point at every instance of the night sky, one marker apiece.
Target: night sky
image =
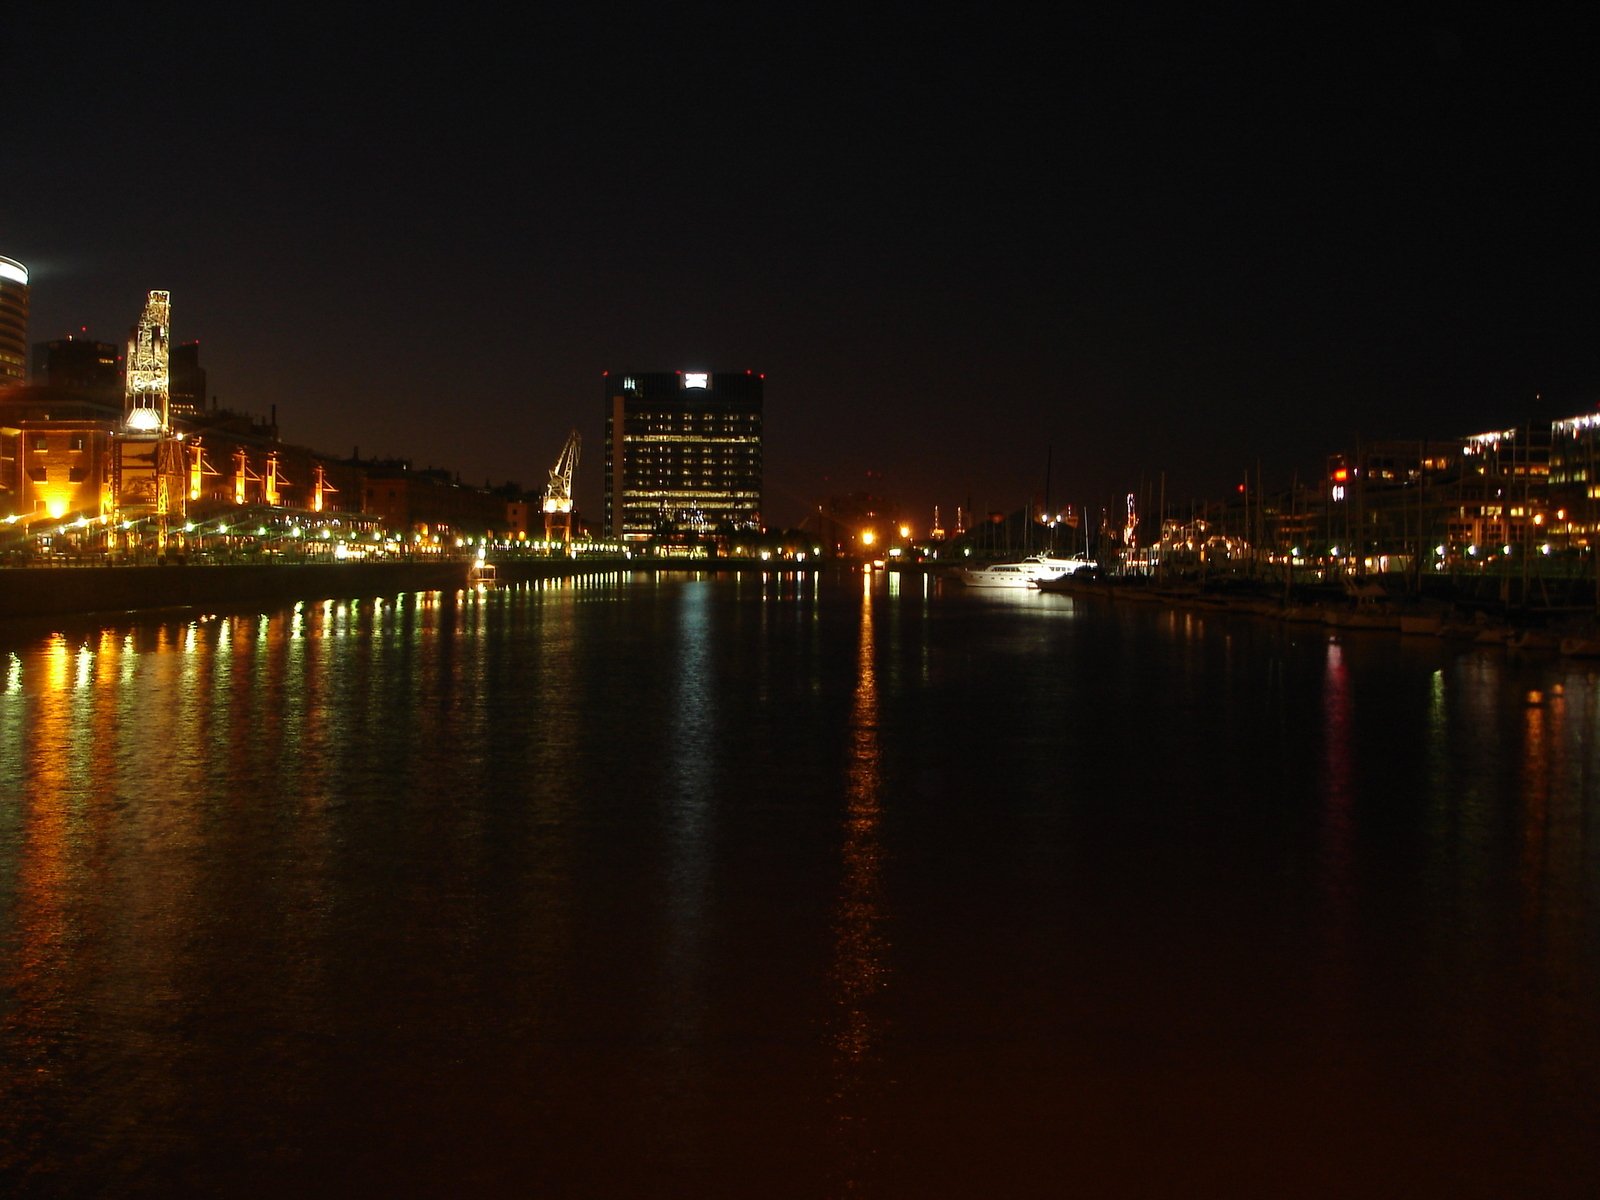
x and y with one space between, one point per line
960 244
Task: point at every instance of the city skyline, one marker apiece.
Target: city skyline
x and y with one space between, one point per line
956 251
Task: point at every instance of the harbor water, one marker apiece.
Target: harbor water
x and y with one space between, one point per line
792 885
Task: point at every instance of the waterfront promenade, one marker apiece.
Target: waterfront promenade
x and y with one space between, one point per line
1462 614
69 590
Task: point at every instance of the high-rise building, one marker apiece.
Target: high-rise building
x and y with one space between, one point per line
81 366
13 322
683 452
188 380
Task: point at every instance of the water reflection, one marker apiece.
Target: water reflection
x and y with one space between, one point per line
1338 767
693 738
859 972
578 866
41 924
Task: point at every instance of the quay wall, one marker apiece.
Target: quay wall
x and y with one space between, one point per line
62 591
49 591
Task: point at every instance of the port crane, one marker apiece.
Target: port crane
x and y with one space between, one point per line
558 492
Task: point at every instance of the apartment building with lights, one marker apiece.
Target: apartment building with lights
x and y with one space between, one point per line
1574 479
682 453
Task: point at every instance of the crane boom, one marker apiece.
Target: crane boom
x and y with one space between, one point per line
558 492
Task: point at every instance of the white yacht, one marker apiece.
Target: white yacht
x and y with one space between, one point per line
1006 575
1023 574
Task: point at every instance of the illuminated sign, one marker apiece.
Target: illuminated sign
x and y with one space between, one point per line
696 379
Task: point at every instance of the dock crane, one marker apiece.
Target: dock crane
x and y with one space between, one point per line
558 492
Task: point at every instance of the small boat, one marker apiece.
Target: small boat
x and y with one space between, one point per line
1361 618
1535 639
1422 624
1581 646
482 575
1303 614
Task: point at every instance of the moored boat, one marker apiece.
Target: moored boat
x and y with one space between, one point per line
1372 617
1535 639
1581 646
998 575
1422 624
1025 573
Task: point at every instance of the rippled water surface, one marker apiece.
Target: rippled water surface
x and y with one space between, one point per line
792 887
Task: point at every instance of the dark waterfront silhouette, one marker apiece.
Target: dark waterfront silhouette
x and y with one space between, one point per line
792 886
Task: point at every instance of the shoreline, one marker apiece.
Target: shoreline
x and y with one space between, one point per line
31 593
1571 631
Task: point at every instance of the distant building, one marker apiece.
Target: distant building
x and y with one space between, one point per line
81 366
855 523
13 322
683 453
1575 478
429 502
188 381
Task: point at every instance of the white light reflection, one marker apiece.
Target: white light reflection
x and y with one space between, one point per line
687 822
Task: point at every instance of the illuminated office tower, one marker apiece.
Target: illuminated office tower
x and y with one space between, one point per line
13 322
683 452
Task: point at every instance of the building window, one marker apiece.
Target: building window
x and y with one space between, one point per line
79 442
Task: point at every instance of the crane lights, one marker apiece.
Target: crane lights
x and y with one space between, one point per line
558 492
149 381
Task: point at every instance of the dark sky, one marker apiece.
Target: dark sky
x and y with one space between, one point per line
957 242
